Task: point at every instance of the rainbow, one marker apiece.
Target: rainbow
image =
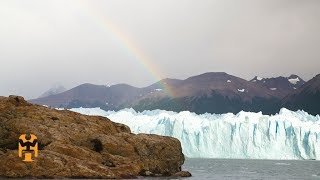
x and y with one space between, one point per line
128 44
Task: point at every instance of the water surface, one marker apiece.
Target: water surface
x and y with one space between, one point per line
252 169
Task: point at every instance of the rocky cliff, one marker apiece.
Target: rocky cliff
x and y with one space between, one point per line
72 145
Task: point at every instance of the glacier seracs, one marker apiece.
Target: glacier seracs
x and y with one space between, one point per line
286 135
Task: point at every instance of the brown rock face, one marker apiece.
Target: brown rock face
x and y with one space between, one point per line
77 146
182 174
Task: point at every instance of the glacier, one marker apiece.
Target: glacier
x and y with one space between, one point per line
286 135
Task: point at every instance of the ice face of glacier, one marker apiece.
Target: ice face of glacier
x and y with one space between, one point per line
286 135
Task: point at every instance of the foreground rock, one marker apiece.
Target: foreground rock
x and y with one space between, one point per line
78 146
182 174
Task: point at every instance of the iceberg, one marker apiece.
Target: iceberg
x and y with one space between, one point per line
286 135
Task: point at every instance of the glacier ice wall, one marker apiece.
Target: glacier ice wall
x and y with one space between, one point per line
287 135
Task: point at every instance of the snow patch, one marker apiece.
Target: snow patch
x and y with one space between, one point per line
294 81
229 81
286 135
273 89
241 90
158 89
259 78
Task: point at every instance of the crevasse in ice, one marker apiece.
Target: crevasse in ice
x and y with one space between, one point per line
286 135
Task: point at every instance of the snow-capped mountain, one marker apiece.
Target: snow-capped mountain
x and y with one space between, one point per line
307 97
215 92
280 86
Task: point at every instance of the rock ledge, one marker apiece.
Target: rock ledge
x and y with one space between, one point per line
72 145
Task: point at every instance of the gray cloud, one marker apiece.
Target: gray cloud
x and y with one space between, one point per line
47 42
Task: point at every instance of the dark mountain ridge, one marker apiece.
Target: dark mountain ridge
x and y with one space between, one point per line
306 98
280 86
213 92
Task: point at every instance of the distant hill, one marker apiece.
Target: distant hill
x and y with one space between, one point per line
90 95
53 91
214 92
306 98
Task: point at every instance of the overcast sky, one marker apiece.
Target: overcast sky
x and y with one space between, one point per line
43 43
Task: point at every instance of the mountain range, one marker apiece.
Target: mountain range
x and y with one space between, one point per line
213 92
53 91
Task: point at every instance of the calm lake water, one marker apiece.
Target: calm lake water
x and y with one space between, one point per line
252 169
